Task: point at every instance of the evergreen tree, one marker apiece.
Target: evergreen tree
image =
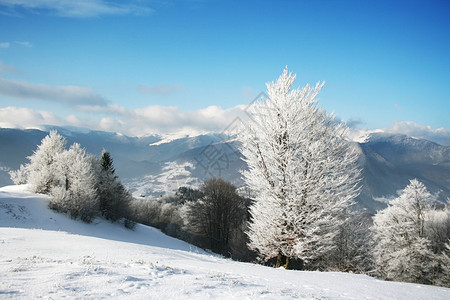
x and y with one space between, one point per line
113 197
106 162
301 170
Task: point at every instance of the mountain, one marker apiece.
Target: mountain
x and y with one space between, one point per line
152 166
45 254
390 161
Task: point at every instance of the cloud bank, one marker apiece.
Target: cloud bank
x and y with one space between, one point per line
91 110
439 135
415 130
71 95
155 119
173 121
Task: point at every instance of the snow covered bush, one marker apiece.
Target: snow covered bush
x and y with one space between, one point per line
301 171
20 176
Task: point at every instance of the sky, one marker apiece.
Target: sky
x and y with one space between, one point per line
142 67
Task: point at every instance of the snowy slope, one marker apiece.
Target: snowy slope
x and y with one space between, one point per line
47 255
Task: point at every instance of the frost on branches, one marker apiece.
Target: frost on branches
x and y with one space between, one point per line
407 247
75 192
78 183
42 174
301 170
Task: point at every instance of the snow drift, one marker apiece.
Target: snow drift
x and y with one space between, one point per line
44 254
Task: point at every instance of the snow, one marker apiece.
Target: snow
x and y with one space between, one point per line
44 254
173 176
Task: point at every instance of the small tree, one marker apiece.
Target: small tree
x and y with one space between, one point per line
41 169
217 214
74 191
444 259
353 245
20 176
114 199
402 250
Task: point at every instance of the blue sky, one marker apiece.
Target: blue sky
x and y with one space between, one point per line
141 67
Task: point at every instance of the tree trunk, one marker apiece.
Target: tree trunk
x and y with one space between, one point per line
281 259
287 265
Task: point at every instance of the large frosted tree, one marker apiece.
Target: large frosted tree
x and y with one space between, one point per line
301 170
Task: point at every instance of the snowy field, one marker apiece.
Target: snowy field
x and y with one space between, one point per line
47 255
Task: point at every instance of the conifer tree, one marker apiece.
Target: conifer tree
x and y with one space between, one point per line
113 197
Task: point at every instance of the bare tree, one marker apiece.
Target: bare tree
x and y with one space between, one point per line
220 211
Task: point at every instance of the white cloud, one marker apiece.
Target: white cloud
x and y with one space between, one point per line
13 117
71 95
439 135
24 43
161 89
4 45
78 8
167 120
412 129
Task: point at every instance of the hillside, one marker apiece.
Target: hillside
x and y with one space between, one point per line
150 166
44 254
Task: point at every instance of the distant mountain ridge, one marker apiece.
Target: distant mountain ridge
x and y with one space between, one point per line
150 168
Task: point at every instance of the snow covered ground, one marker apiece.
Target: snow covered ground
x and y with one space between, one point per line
47 255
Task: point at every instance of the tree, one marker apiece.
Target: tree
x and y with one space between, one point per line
41 169
74 191
353 245
402 251
444 258
114 199
301 170
217 214
20 176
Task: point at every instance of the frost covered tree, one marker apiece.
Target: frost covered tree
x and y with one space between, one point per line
301 170
20 176
41 174
353 245
402 251
74 191
444 258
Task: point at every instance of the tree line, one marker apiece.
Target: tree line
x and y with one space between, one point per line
78 183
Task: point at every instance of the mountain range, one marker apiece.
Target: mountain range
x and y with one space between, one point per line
152 166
